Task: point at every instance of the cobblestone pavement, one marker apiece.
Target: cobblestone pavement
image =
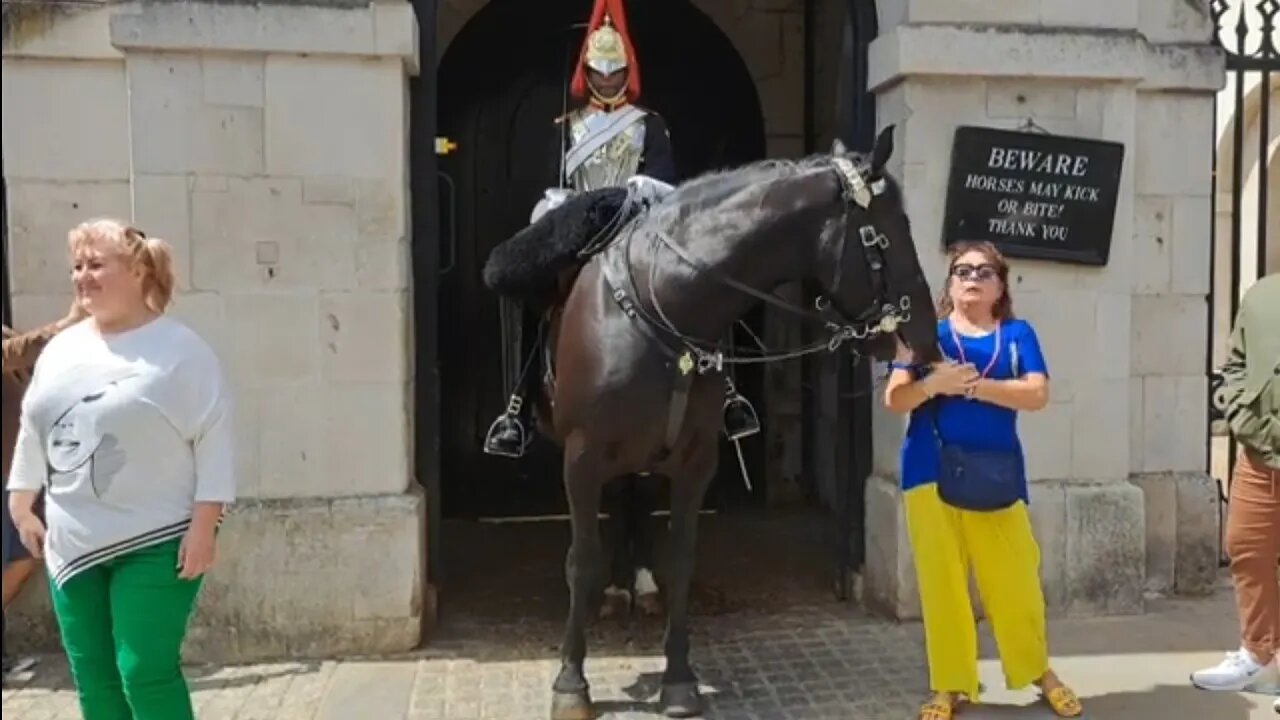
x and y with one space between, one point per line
824 661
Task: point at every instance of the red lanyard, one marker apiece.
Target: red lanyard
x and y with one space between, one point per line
960 347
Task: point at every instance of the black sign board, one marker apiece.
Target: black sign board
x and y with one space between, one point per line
1033 195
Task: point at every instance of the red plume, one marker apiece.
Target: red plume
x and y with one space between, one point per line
618 16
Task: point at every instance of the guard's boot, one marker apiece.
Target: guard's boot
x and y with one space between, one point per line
507 436
740 419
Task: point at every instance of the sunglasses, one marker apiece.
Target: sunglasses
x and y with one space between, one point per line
965 271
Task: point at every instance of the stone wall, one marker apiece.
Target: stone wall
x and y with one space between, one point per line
1120 498
268 144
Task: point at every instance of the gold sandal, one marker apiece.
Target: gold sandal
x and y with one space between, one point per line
938 709
1064 702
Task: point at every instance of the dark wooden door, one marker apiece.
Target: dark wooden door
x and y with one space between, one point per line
505 159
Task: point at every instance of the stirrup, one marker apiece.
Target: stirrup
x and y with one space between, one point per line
740 418
507 436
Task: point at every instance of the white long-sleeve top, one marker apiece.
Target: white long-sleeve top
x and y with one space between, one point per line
126 432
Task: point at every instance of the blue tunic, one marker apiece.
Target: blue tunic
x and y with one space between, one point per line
972 424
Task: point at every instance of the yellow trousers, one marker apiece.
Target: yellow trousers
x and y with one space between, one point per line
1001 550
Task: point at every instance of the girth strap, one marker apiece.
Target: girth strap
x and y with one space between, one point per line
615 277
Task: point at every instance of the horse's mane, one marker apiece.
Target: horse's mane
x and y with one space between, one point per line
713 185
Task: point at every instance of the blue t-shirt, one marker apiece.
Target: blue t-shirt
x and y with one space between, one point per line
970 423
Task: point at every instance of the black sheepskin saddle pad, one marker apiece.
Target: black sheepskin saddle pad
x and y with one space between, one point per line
528 265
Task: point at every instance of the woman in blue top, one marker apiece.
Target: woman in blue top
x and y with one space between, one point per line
994 369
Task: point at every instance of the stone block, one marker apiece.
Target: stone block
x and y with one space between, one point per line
330 190
1066 326
362 101
267 28
381 210
974 50
1099 430
50 33
1105 549
313 244
936 107
65 121
395 33
975 12
1137 410
276 339
1174 423
162 208
175 131
368 439
1170 120
329 440
887 430
1020 99
1048 511
1192 245
1112 336
33 311
1153 243
1199 533
383 265
1169 334
1162 21
1183 531
1160 507
365 337
274 591
889 578
1094 14
1046 440
233 80
39 216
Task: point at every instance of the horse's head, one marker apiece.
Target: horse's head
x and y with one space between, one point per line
868 266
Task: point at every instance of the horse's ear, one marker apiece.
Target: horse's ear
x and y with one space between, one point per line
883 149
838 148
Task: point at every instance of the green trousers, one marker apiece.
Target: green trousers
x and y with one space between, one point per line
122 625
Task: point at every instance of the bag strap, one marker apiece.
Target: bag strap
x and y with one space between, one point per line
935 405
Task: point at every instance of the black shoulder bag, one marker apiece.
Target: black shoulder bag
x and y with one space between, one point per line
981 480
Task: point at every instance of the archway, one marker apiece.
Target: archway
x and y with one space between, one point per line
501 84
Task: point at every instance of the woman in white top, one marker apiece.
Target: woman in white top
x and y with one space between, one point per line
127 426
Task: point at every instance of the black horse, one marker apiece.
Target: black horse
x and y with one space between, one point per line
637 384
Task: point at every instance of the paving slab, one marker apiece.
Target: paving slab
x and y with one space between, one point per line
815 661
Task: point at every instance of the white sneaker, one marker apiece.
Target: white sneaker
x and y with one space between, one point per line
1276 707
1238 671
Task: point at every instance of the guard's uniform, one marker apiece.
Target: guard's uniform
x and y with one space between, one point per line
607 141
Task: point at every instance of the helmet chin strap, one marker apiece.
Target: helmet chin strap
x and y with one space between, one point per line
609 101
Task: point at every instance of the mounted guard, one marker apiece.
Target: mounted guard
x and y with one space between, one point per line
609 141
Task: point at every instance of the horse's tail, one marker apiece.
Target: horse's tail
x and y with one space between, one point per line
529 264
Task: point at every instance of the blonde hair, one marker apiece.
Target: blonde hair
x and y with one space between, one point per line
1003 309
152 256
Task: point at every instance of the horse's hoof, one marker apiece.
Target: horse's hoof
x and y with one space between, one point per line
681 700
650 604
571 706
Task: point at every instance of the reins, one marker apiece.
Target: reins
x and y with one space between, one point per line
881 317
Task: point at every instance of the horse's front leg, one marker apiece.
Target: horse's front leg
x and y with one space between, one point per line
571 696
680 696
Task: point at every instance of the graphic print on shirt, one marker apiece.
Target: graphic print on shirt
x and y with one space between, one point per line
77 448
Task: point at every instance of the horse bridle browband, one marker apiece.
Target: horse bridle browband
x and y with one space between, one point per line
883 316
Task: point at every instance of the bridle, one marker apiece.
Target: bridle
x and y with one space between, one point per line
883 316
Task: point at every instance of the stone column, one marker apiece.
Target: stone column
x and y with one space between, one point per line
269 144
1120 498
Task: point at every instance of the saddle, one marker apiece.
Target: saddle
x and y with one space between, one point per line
530 265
